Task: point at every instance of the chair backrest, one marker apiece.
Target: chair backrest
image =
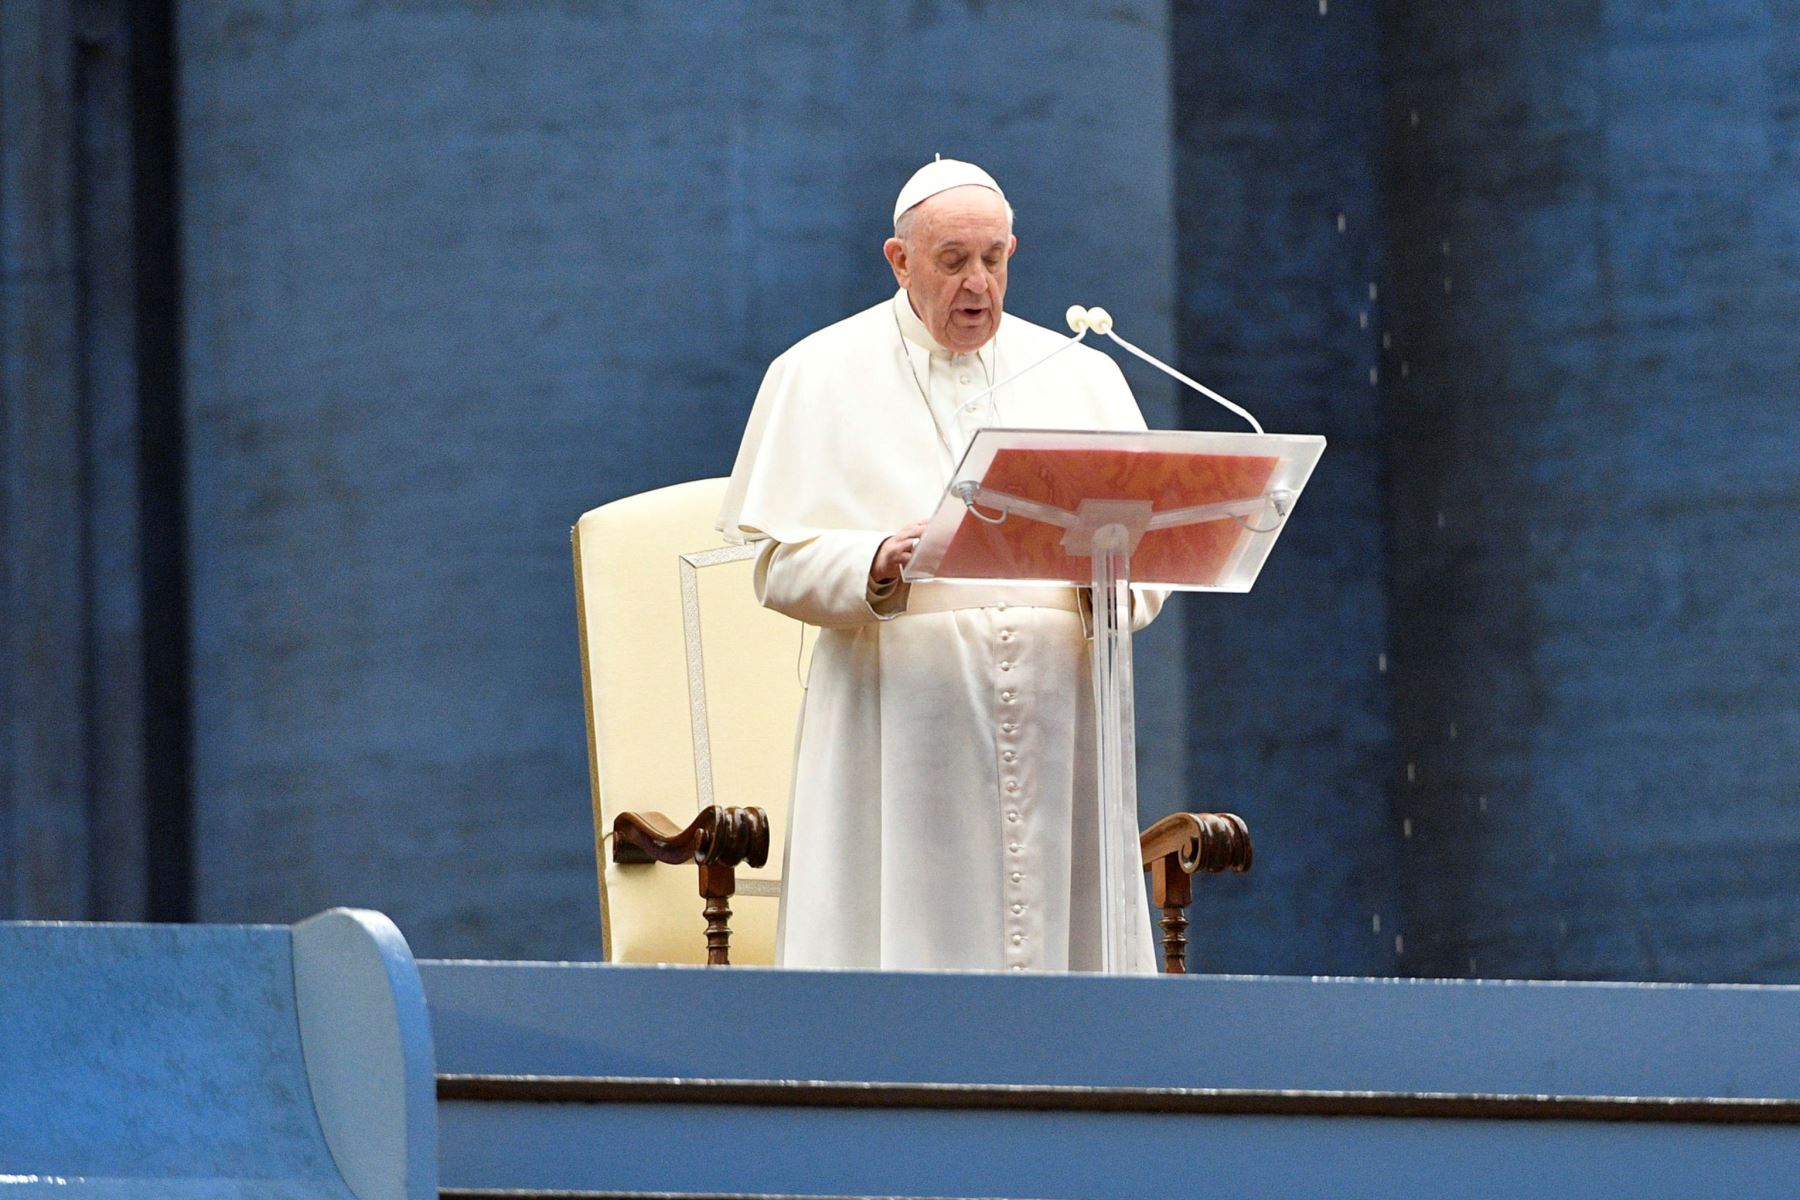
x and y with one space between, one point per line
692 691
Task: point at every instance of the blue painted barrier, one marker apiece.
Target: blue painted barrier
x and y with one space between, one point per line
207 1060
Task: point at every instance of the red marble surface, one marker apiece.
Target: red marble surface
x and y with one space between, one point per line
1020 548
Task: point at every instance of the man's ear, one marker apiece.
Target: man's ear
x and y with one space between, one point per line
1012 244
895 249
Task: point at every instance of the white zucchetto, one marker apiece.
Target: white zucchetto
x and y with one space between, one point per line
940 176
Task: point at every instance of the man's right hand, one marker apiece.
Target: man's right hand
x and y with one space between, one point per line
895 553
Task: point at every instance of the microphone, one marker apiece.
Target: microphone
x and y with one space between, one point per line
1084 321
1101 322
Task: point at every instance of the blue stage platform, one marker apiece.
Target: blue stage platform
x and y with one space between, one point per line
285 1062
627 1080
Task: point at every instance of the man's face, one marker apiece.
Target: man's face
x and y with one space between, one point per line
953 265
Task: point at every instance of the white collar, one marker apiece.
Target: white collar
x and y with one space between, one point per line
915 332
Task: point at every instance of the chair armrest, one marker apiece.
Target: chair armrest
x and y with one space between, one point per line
1175 848
718 836
719 840
1211 842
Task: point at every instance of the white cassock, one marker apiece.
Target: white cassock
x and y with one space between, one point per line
943 809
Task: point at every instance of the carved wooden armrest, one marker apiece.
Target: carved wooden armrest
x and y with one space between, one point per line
719 840
1176 847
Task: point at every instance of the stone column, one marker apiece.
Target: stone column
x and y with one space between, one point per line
91 794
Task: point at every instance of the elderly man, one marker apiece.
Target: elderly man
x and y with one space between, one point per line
944 785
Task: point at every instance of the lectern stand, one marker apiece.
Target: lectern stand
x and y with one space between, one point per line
1184 511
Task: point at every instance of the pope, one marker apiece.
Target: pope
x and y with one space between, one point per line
943 808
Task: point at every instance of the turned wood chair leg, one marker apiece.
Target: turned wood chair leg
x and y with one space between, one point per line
718 883
1174 926
1173 890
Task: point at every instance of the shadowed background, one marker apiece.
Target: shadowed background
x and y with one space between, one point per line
323 322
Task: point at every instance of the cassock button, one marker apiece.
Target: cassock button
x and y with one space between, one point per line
1006 635
1007 696
1001 606
1015 847
1009 756
1018 938
1013 815
1008 727
1016 877
1012 785
1018 908
1018 966
964 378
1006 666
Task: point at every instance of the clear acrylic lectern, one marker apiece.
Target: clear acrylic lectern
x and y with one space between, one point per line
1185 511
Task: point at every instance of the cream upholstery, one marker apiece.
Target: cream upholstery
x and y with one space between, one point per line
634 558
